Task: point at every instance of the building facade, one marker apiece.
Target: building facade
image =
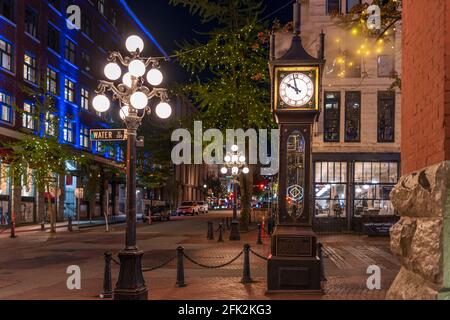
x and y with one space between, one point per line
356 143
42 50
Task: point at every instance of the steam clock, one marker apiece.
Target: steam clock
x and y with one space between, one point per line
296 97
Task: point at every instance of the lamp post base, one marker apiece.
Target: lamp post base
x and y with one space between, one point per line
234 232
131 283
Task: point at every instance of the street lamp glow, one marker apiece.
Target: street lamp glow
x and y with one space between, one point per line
234 148
224 170
137 68
101 103
155 77
134 43
235 170
242 159
124 112
112 71
127 80
246 170
163 110
227 159
139 100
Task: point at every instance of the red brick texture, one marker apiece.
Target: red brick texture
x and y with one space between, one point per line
425 84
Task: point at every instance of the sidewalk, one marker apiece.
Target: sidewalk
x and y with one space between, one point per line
83 224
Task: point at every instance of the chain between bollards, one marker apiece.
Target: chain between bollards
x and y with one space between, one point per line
180 268
107 282
246 277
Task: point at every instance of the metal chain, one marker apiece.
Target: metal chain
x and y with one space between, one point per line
158 266
115 261
213 267
251 230
258 255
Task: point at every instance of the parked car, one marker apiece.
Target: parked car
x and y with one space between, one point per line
203 206
158 209
188 207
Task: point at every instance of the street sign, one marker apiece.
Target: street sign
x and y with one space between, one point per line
108 134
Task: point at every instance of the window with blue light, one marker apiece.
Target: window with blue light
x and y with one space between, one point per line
99 147
6 55
28 118
69 90
52 81
31 21
51 124
68 130
53 38
29 68
70 51
85 61
85 98
6 101
7 9
84 137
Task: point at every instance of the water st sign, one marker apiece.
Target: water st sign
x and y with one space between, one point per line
108 134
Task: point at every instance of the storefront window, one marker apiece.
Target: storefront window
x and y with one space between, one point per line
374 182
28 186
4 180
330 189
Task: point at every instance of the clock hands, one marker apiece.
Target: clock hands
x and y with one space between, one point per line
295 88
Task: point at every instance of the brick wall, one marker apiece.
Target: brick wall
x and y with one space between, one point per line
426 88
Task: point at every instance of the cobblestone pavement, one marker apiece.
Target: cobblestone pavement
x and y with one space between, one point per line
34 265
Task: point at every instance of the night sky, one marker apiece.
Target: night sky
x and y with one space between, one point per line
171 25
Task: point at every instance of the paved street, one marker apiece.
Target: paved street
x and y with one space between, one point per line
34 265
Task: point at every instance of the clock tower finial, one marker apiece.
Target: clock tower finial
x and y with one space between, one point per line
297 17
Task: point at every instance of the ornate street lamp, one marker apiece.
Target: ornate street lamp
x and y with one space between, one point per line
234 164
133 96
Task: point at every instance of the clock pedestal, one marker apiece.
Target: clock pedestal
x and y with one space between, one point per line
293 265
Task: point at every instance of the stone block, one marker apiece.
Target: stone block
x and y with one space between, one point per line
423 193
410 286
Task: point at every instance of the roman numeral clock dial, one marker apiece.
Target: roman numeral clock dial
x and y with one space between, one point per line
297 89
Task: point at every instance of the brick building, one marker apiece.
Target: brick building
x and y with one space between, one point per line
356 145
39 48
421 239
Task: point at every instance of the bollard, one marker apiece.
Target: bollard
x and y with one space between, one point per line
259 234
13 229
69 224
246 278
180 268
210 235
220 233
322 266
107 282
43 226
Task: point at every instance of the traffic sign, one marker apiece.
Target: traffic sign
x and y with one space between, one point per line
108 134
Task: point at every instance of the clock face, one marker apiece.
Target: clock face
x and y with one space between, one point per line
296 89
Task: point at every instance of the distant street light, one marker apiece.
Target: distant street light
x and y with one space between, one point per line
235 163
133 97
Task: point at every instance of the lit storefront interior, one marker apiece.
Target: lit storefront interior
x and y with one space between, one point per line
351 193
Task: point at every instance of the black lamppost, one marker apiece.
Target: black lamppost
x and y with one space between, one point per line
133 96
235 164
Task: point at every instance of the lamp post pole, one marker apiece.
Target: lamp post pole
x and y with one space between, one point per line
133 97
236 163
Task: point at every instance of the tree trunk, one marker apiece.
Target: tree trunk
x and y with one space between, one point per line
246 186
51 212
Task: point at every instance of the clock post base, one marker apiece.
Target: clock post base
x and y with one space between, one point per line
294 266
